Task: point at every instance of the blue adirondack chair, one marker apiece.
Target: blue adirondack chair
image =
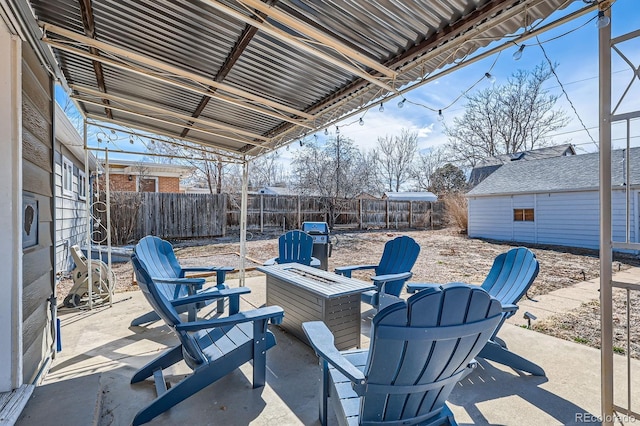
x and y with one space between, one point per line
162 264
420 348
394 269
511 275
295 247
211 348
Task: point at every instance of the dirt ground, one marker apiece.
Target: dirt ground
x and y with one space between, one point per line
445 256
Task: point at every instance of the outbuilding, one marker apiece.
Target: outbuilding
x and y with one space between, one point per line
555 201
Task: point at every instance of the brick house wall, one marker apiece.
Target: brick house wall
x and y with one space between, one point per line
121 182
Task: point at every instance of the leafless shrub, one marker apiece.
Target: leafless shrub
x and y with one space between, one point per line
456 211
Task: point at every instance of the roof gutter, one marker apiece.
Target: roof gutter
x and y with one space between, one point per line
548 191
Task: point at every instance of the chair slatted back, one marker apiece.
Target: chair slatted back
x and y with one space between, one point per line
295 246
399 255
421 348
161 305
161 262
511 275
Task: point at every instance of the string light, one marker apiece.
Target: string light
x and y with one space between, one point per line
490 77
602 21
401 103
326 132
440 116
381 109
287 148
518 53
337 130
131 140
315 137
301 142
361 121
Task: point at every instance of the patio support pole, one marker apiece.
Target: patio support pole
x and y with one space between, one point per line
88 205
606 255
243 220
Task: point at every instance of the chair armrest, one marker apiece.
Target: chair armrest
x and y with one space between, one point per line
193 282
346 270
509 310
271 261
210 295
380 279
415 287
315 262
273 313
321 340
208 268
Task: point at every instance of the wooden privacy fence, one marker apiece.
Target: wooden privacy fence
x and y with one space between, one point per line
168 215
288 212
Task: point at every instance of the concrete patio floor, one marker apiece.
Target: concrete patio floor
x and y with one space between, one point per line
88 382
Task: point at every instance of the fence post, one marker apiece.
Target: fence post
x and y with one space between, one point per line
410 212
261 213
387 209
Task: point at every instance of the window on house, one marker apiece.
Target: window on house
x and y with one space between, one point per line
523 215
148 184
82 185
67 176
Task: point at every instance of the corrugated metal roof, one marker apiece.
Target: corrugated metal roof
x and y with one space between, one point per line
168 53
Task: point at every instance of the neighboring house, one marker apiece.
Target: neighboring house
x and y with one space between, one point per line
138 176
71 189
489 165
276 190
410 196
554 201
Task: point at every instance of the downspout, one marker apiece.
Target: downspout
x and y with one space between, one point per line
53 300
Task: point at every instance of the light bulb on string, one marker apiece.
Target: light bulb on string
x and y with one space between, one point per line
301 142
361 121
490 77
337 130
131 140
381 109
326 132
287 148
315 137
602 21
401 103
440 116
518 53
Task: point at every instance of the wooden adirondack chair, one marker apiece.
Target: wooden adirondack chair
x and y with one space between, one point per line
295 247
394 269
420 348
211 348
162 264
511 275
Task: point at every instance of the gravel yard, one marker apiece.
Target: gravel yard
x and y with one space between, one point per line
445 256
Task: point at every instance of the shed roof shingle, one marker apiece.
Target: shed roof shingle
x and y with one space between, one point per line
576 172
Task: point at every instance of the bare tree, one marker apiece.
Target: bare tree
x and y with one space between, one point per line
395 158
267 170
426 165
504 119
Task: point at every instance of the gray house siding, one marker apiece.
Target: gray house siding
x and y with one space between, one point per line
564 218
37 174
71 217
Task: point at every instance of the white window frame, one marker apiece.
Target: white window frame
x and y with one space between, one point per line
149 178
82 185
67 176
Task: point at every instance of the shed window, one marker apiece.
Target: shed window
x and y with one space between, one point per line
523 215
67 176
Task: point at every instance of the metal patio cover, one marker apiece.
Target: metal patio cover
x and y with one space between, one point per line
246 76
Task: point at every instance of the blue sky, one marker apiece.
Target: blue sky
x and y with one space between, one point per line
576 55
573 46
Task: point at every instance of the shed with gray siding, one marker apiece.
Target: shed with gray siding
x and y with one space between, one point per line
555 201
